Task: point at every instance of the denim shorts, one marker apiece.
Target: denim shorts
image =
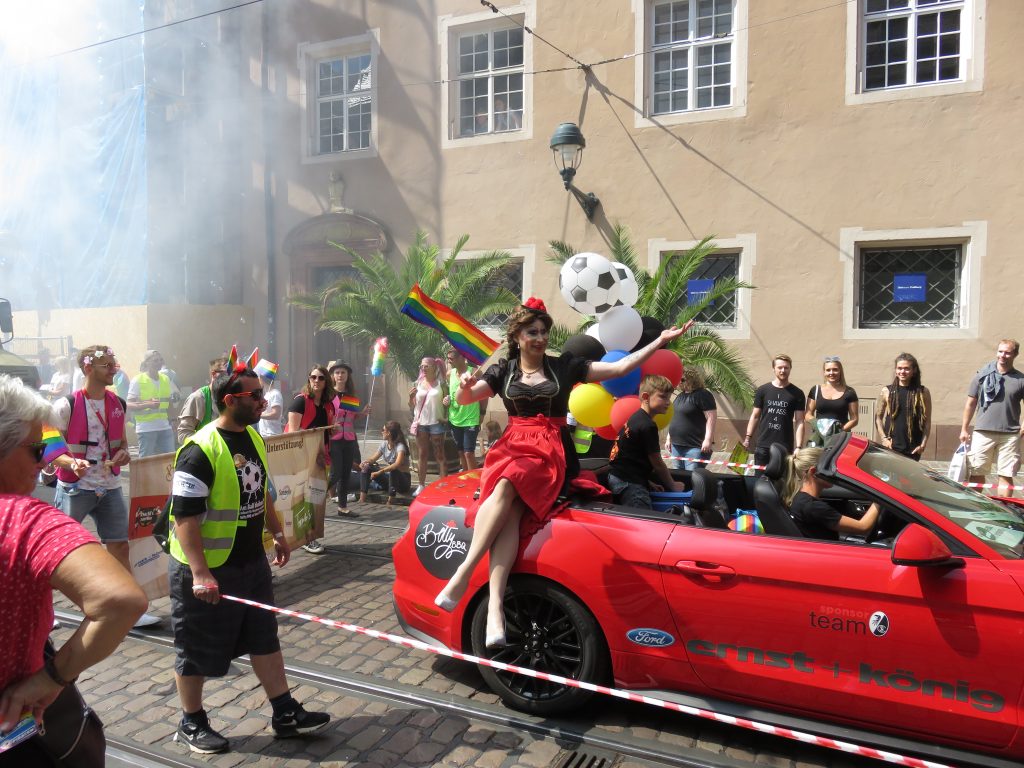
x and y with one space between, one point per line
465 437
688 453
432 429
107 509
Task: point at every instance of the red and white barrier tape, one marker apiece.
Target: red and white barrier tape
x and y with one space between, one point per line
707 714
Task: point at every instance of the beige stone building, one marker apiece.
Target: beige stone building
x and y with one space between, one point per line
855 161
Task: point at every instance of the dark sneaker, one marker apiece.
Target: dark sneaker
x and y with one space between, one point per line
298 721
200 737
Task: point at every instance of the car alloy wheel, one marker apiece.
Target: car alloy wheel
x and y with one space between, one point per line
549 630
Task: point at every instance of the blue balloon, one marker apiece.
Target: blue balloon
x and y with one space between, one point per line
623 385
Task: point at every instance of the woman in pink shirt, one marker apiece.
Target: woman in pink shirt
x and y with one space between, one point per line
42 549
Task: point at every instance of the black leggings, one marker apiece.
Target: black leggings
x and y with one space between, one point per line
395 481
344 454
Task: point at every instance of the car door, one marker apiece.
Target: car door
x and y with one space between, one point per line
836 629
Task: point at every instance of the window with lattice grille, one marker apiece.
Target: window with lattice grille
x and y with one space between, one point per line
719 266
510 278
910 287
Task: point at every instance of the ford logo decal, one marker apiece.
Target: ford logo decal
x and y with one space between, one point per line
650 637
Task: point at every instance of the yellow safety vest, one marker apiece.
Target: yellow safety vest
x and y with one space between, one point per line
219 523
148 389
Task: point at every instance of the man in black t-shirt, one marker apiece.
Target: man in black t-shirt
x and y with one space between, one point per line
208 561
778 415
636 455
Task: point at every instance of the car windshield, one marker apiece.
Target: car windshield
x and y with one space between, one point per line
999 525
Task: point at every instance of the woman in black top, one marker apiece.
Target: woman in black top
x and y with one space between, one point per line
815 518
313 407
832 407
903 413
691 433
526 469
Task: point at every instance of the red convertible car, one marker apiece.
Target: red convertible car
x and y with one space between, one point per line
908 638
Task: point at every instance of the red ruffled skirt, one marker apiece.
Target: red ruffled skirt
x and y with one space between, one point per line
531 457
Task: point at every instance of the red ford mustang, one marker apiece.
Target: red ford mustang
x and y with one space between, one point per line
909 638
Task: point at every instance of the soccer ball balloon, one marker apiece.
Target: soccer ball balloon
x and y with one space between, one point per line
629 291
589 283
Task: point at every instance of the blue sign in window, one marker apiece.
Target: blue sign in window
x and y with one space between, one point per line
697 291
909 286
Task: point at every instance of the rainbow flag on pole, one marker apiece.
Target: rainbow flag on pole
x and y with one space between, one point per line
55 445
349 403
474 345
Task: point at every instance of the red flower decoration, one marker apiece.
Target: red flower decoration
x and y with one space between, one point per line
535 304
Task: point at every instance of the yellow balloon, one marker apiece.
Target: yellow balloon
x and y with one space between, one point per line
591 404
662 419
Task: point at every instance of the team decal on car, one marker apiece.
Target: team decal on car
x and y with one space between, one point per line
442 540
650 637
879 623
850 621
902 680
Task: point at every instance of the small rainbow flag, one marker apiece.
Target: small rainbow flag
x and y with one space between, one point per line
266 369
55 445
349 403
474 345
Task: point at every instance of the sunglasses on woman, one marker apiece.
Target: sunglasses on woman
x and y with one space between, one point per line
37 450
317 377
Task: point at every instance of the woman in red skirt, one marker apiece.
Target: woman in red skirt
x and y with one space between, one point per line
525 471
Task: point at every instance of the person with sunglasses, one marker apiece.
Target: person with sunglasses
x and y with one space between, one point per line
42 550
527 469
219 510
312 408
92 421
832 407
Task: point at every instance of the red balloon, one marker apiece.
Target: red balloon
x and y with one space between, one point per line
622 409
608 432
664 362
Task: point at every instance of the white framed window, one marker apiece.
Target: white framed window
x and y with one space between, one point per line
912 283
485 60
912 48
693 65
733 258
339 98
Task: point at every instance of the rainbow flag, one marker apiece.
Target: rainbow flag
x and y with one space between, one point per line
349 403
55 445
266 369
474 345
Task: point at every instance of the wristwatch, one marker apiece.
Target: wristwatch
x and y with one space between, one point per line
51 670
279 536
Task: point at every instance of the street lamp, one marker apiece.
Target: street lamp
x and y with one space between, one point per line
567 145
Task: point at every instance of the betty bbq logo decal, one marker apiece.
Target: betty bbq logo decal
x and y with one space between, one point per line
442 540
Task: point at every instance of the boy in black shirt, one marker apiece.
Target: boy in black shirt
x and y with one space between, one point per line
636 454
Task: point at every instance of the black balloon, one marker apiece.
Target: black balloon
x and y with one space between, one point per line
584 346
652 330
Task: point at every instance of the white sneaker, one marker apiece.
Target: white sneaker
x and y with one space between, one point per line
147 620
314 547
418 491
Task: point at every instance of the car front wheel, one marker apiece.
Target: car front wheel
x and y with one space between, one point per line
547 630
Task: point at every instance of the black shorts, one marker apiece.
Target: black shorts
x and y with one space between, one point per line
207 637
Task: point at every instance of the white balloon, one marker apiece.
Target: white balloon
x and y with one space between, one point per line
594 331
589 283
629 291
621 328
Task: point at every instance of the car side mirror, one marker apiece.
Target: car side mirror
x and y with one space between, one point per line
917 546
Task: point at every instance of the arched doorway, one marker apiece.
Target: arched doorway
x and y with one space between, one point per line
315 264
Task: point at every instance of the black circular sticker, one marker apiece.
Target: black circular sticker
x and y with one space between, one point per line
442 540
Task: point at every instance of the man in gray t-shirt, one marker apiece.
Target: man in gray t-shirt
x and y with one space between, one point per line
996 392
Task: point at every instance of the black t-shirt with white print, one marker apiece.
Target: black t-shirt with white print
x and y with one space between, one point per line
193 480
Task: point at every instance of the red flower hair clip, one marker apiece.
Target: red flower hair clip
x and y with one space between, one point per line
535 305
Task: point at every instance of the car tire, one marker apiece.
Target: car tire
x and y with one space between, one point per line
549 630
